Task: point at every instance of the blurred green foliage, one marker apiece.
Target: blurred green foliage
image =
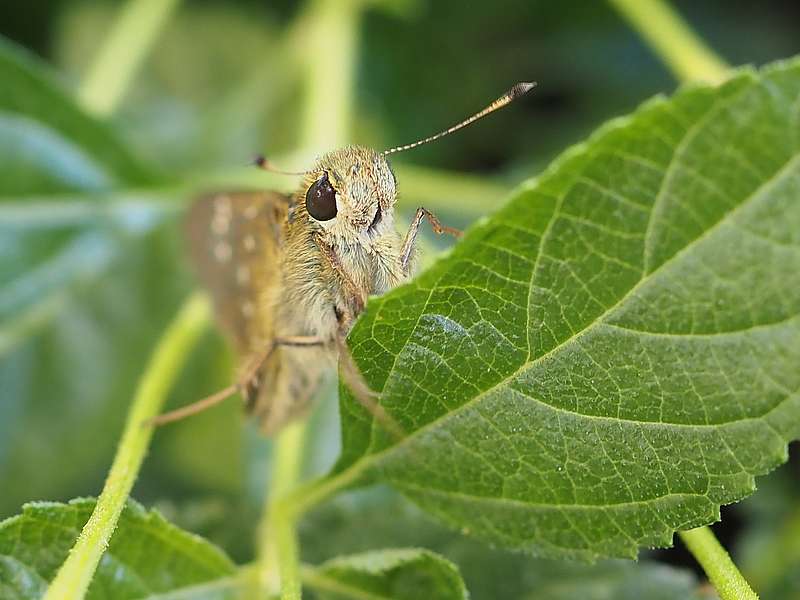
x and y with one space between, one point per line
91 260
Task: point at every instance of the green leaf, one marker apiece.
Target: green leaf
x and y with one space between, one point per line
49 144
147 556
89 278
609 579
385 518
767 550
394 574
614 354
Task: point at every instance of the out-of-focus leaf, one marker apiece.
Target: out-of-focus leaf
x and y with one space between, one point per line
614 354
147 556
396 574
384 518
49 144
768 549
150 558
91 272
212 83
609 580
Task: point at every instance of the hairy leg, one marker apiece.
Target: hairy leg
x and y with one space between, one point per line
411 236
254 364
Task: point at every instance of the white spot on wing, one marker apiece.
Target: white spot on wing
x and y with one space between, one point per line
223 211
222 204
222 252
251 211
249 243
242 274
220 224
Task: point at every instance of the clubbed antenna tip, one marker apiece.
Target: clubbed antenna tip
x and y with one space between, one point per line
515 92
521 89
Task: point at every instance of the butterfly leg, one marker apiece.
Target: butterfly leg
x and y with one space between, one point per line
350 373
411 236
243 385
345 315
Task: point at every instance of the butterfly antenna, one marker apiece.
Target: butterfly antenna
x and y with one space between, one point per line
515 92
262 163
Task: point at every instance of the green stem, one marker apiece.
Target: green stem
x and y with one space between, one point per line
330 41
315 492
673 41
329 36
436 189
723 574
122 52
278 550
74 576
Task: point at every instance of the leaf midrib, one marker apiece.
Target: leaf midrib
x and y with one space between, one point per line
518 502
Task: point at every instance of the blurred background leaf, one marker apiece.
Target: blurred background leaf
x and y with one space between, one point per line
378 517
151 558
397 573
768 548
147 557
91 260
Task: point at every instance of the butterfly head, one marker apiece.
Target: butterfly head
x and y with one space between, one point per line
350 193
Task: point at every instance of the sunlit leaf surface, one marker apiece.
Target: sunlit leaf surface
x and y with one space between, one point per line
615 353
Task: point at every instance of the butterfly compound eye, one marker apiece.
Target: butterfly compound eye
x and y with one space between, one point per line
321 199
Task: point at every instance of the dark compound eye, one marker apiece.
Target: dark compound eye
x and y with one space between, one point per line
321 200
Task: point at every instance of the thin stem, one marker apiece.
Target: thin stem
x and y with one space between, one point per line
119 58
329 35
74 576
723 574
672 40
330 42
468 194
278 551
306 497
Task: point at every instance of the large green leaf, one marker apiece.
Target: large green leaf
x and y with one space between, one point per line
396 574
615 353
147 556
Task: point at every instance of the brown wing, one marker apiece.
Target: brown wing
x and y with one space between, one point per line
236 241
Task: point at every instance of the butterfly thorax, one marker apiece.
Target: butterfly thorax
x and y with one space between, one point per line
328 271
327 279
333 263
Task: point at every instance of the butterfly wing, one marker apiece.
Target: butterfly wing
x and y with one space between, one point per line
236 242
